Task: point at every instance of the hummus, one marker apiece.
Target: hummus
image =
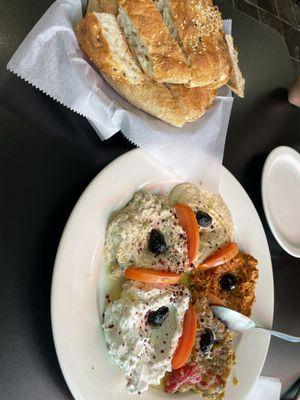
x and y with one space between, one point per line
128 233
143 351
219 231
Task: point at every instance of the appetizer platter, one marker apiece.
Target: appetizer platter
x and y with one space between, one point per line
136 272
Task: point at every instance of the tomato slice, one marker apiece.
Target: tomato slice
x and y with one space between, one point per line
221 256
188 221
152 276
187 339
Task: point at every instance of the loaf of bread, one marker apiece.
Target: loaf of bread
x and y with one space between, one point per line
101 39
166 57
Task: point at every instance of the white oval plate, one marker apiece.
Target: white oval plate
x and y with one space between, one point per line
78 286
280 189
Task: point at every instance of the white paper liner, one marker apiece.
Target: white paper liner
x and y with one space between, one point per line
265 388
50 59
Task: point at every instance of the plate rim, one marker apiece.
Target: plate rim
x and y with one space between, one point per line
65 234
272 156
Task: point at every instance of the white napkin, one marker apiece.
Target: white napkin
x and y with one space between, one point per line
50 59
265 389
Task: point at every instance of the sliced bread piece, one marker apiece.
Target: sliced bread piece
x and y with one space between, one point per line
197 27
99 36
101 39
236 81
150 41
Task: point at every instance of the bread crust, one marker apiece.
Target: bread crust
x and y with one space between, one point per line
193 101
168 62
199 27
149 96
236 82
94 45
153 98
105 6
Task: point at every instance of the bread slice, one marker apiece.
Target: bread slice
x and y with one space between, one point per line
197 27
236 81
101 39
193 101
241 298
103 6
150 41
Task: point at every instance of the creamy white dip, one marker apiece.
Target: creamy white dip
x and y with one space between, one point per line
142 351
127 236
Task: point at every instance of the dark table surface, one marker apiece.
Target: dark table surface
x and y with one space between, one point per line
48 155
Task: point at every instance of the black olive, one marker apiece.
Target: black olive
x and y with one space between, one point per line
156 242
207 340
228 282
203 219
156 318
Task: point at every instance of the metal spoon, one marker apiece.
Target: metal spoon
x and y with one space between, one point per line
240 323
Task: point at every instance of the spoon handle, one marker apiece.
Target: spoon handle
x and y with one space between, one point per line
281 335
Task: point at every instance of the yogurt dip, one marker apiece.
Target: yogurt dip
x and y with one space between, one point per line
141 349
127 236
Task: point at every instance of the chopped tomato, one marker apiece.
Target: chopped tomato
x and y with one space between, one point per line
221 256
187 339
188 221
152 276
187 375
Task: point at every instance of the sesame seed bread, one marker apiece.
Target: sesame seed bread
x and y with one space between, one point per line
197 27
101 39
158 54
166 57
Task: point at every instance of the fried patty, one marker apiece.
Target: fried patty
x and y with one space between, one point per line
243 274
